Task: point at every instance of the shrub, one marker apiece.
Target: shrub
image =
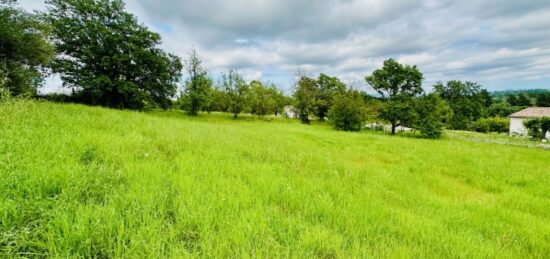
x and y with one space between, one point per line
348 111
430 113
538 127
494 124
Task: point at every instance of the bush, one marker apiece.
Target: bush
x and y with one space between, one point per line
538 127
348 111
430 112
495 124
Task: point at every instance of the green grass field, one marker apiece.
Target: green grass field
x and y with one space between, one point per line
93 182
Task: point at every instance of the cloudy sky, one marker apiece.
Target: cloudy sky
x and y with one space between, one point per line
500 44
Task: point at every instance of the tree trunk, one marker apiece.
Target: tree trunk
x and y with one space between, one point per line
393 126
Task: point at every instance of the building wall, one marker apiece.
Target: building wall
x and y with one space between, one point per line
516 126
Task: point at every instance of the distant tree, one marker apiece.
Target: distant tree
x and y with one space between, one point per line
543 100
502 109
523 100
430 114
538 127
216 100
108 58
348 111
236 91
304 97
486 98
466 100
261 99
279 100
197 86
25 51
512 99
327 88
397 84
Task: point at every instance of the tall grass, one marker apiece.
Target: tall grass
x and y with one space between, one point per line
93 182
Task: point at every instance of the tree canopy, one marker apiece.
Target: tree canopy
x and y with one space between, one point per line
107 57
197 85
466 99
24 49
397 84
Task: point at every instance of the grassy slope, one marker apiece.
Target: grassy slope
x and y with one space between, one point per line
97 182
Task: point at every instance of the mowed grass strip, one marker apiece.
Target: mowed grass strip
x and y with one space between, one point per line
94 182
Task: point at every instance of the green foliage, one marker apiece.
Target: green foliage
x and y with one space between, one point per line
431 112
543 100
24 50
348 112
304 97
502 109
327 88
197 86
397 84
125 184
538 127
395 79
492 124
108 58
466 99
266 99
236 91
520 99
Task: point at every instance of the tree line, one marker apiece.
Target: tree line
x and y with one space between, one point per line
106 57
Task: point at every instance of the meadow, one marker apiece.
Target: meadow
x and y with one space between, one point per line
90 182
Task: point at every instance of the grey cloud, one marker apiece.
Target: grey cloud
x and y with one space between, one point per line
483 40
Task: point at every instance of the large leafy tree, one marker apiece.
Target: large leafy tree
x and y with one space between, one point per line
397 84
108 58
466 99
24 49
236 90
197 86
327 89
304 97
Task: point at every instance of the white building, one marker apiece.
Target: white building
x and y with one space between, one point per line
290 112
517 119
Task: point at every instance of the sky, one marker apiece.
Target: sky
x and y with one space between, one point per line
500 44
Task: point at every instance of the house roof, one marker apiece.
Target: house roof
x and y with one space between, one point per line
532 112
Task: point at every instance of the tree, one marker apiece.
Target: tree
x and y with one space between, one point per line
524 100
24 50
466 100
502 109
430 114
197 85
543 100
538 127
279 100
304 97
108 58
261 99
236 91
348 111
327 88
397 84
